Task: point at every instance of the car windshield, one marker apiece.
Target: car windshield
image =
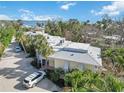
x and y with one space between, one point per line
26 81
40 73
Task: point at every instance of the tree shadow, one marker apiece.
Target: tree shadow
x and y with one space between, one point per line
22 68
19 86
48 85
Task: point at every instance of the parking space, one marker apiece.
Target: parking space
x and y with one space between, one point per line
14 67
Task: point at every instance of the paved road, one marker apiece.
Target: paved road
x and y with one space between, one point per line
14 67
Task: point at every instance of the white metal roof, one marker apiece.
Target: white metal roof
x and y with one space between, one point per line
77 47
95 53
75 57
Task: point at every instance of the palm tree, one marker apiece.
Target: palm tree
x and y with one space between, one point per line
109 55
89 81
21 38
73 78
17 24
1 49
114 84
42 45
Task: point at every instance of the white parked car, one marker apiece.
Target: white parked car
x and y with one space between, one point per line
33 79
18 49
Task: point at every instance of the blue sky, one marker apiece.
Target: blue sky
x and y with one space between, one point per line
44 10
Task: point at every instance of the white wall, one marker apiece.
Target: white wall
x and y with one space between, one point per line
59 63
73 65
51 62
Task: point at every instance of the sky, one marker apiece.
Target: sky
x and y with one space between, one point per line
48 10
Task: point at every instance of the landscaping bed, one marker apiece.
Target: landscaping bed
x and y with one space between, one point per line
57 76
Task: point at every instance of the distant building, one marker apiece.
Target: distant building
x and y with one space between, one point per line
113 37
27 26
37 28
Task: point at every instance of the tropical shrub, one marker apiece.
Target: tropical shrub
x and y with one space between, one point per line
55 75
116 56
113 84
88 81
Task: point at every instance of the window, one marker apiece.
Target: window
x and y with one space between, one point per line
39 61
26 81
36 77
43 62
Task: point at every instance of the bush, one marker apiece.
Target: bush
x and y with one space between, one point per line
55 76
88 81
48 73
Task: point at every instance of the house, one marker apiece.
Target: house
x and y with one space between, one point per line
76 55
70 55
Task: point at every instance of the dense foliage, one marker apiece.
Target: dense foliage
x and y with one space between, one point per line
56 75
60 28
87 32
31 43
6 33
85 81
116 56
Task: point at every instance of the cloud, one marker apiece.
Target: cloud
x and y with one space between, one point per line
29 15
66 6
4 17
25 11
26 14
114 9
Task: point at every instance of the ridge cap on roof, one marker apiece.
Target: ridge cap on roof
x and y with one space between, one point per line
94 59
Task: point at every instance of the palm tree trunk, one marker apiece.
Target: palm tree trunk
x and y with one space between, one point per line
23 47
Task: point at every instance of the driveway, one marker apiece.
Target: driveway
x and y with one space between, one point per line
14 67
